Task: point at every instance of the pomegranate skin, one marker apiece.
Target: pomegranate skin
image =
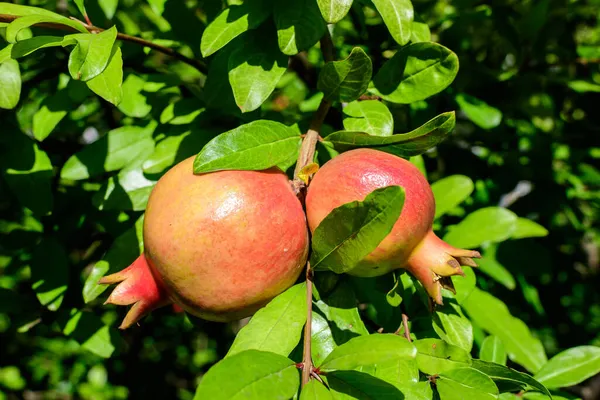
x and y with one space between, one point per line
352 176
224 243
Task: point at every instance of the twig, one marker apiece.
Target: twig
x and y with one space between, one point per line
307 365
405 326
199 65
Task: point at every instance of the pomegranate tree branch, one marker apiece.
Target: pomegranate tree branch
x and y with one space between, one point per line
307 365
199 65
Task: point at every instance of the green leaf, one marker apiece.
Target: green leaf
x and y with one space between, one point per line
109 7
55 107
89 331
119 148
108 84
419 32
490 266
354 385
254 146
452 326
526 228
347 79
352 231
315 390
129 190
334 10
181 112
413 143
10 84
371 116
462 383
489 224
27 171
436 356
464 285
482 114
299 25
492 350
123 251
91 54
232 22
134 103
25 47
50 273
570 367
492 315
6 53
450 191
581 86
322 339
277 327
254 70
368 350
250 375
16 26
16 9
507 379
397 16
415 73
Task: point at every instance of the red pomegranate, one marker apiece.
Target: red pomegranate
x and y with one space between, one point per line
220 245
411 244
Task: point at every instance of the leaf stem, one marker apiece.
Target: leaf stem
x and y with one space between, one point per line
199 65
307 365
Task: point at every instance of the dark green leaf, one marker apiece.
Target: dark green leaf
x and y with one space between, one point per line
450 191
436 356
250 375
398 16
13 29
299 25
452 326
134 103
490 266
493 316
371 116
129 190
346 80
277 327
181 112
91 54
334 10
53 109
232 22
507 379
408 144
352 231
10 84
492 350
570 367
347 385
50 273
368 350
89 331
478 111
462 383
255 146
416 72
489 224
25 47
315 390
109 82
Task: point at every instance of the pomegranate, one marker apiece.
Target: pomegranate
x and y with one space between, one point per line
411 244
220 245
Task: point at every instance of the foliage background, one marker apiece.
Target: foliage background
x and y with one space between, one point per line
532 146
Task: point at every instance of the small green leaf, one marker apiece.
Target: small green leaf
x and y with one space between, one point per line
255 146
254 70
25 47
347 79
81 7
250 375
232 22
10 84
315 390
50 273
54 108
581 86
277 327
368 350
109 7
108 84
352 231
507 379
91 54
397 16
413 143
6 53
492 350
322 339
492 315
570 367
464 285
420 32
334 10
181 112
416 72
89 331
490 266
482 114
371 116
134 103
526 228
450 191
354 385
452 326
16 26
462 383
299 25
489 224
129 190
436 356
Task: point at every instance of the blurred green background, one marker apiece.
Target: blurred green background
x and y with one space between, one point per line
528 135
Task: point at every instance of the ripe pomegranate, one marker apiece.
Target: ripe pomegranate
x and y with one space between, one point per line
220 245
411 244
